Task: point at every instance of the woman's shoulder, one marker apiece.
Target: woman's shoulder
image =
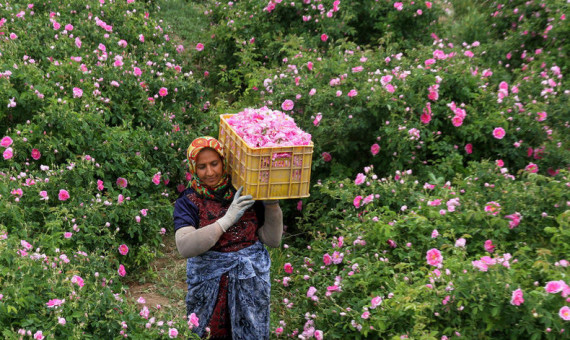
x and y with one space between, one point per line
185 193
184 197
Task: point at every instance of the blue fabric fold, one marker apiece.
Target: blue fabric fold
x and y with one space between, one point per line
249 289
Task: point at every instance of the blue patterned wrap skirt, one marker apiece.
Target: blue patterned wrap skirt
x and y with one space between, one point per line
249 289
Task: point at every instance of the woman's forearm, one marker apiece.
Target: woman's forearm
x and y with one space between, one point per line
193 242
270 233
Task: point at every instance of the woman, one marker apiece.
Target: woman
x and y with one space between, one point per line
220 232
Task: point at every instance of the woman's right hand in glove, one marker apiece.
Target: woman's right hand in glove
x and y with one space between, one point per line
236 210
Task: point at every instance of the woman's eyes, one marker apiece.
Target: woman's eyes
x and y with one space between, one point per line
203 166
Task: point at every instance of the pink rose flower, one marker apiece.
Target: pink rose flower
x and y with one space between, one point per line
499 133
532 168
54 303
565 313
287 105
77 92
77 280
44 195
434 257
357 201
376 301
541 116
488 260
368 199
156 178
317 120
554 287
36 154
337 257
374 149
360 178
172 333
63 195
288 268
193 321
460 243
517 298
433 95
123 249
457 121
492 208
6 141
480 265
121 270
319 334
122 182
515 219
327 259
163 92
311 291
489 246
199 47
8 153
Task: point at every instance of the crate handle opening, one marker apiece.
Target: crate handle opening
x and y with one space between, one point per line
279 155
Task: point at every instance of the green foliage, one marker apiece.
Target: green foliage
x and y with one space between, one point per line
252 34
379 250
68 294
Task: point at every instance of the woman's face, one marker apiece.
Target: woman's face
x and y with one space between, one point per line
209 167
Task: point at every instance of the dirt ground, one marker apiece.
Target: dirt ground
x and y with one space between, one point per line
164 282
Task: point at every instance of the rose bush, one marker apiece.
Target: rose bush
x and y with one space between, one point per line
398 257
97 104
250 34
98 99
70 293
442 115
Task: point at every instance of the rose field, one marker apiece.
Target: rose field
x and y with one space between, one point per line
439 200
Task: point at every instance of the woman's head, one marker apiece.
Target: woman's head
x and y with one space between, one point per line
209 167
206 161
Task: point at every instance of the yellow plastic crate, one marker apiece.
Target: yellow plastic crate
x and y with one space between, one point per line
267 172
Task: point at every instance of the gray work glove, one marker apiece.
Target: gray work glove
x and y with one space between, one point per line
236 210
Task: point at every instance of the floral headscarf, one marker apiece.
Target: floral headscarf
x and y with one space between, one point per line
223 191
